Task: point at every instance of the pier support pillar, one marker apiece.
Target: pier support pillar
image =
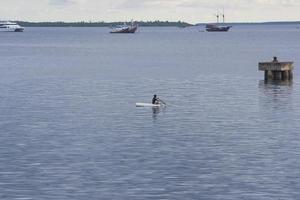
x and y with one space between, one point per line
285 75
277 75
268 75
291 76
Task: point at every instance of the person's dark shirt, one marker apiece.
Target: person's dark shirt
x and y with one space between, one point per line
154 100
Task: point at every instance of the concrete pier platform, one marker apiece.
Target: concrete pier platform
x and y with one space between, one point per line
277 70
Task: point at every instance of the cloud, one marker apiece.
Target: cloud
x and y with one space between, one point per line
60 2
204 4
65 2
146 4
276 2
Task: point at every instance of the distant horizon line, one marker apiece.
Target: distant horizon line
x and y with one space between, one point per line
149 22
238 22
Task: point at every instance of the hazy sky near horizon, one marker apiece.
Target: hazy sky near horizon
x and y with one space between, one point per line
192 11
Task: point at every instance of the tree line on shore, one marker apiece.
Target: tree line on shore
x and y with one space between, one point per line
101 24
141 23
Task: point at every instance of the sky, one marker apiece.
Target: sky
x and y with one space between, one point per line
192 11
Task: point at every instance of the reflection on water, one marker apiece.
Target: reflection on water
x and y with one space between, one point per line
156 111
276 82
276 89
275 95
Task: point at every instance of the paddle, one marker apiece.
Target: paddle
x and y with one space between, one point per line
162 102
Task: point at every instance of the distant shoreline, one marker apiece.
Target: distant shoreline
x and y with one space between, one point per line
102 24
141 23
258 23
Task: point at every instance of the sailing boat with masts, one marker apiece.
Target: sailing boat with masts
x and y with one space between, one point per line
217 27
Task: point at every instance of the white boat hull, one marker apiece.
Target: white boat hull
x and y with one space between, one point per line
148 105
10 27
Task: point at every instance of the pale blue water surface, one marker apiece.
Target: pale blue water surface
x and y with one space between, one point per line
69 128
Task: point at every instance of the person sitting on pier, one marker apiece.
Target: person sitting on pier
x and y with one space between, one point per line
275 59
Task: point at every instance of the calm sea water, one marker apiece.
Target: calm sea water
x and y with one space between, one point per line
69 128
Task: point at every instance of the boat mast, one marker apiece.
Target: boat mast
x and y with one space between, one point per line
218 16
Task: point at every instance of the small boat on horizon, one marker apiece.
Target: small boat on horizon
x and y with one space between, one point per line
10 27
125 28
217 27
